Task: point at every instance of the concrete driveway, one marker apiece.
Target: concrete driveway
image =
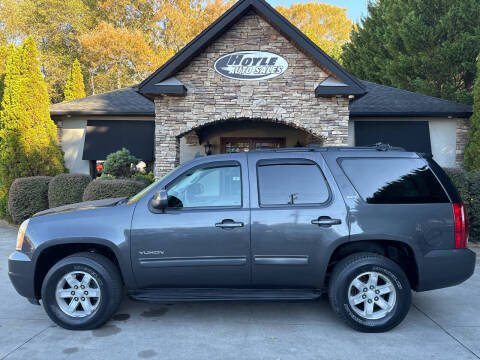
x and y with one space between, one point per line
442 324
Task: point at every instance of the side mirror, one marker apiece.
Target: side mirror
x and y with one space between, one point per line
160 200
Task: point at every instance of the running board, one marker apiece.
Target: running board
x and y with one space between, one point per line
186 295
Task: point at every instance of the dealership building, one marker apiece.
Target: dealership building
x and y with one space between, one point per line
252 80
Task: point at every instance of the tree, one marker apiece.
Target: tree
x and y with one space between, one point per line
55 25
117 56
428 46
3 60
28 136
9 117
472 150
179 21
74 88
326 25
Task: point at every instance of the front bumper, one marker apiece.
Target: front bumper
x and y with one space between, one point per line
20 271
443 268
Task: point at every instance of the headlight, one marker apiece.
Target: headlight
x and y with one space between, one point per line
21 234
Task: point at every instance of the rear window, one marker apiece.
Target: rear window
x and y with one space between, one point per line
394 181
299 183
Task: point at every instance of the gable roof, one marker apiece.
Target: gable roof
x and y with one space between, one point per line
230 17
126 101
388 101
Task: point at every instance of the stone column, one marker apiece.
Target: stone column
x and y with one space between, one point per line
167 144
463 125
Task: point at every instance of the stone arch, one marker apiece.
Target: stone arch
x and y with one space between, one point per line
167 136
312 131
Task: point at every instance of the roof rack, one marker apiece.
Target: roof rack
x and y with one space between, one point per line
315 147
386 147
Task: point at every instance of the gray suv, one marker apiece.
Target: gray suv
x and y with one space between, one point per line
365 225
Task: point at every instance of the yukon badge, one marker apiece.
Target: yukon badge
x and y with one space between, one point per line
251 65
151 252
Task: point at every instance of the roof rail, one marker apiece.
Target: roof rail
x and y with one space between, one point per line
295 149
385 147
316 147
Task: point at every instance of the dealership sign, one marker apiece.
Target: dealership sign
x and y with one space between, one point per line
251 65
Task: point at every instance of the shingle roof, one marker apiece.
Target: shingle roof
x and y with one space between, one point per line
126 101
387 101
380 101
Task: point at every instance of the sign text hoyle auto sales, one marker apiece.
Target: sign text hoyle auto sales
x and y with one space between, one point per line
251 65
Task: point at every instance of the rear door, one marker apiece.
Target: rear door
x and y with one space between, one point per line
296 212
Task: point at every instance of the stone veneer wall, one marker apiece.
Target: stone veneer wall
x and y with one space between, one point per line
463 126
289 98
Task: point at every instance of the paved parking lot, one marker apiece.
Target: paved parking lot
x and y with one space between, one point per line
442 324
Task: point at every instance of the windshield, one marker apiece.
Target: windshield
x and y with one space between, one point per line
145 191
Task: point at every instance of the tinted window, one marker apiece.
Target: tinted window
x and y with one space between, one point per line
394 181
207 187
291 184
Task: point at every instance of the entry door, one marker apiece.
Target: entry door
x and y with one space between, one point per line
239 145
203 238
296 212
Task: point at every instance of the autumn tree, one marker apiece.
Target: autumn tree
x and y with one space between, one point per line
179 21
55 25
326 25
74 88
136 37
28 137
116 56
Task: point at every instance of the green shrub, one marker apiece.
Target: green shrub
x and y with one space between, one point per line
473 207
106 189
67 189
120 164
468 185
27 196
460 179
106 177
144 177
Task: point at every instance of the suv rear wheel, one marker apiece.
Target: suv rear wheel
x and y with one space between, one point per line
82 291
369 292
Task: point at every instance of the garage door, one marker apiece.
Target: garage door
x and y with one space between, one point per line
411 135
104 137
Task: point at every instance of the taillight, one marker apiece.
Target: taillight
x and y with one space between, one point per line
461 226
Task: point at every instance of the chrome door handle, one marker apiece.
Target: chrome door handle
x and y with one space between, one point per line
326 221
229 224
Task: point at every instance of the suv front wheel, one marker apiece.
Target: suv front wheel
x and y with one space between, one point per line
82 291
369 292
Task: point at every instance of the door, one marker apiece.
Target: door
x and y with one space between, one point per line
296 213
203 237
238 145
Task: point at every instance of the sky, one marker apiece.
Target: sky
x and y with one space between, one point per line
356 8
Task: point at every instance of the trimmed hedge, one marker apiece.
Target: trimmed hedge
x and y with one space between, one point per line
106 189
65 189
144 177
468 185
28 196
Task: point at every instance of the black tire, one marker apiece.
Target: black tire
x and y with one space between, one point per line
108 278
354 265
